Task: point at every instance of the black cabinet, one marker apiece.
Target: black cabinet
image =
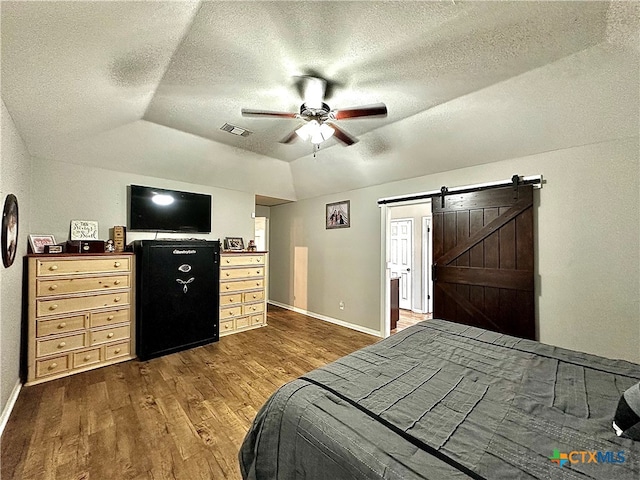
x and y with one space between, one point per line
177 295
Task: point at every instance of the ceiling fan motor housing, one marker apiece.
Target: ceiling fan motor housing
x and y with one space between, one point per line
319 114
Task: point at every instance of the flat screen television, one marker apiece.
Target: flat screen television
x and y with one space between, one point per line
161 210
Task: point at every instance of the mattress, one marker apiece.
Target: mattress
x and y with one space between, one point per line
441 400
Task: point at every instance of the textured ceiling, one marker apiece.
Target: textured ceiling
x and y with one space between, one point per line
76 75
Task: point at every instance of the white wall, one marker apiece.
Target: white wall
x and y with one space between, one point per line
14 178
587 246
63 192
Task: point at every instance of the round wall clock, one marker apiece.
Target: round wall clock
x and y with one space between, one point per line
9 230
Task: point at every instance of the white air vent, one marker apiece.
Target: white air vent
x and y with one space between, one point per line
243 132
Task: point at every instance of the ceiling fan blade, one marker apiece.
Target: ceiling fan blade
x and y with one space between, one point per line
313 89
339 134
377 110
290 138
247 112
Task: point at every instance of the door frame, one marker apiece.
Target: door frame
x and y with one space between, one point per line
411 257
427 254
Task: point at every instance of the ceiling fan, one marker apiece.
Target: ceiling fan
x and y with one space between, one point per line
319 119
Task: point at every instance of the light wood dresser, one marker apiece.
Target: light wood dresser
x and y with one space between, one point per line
243 282
80 313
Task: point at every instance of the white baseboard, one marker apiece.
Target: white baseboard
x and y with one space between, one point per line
342 323
4 418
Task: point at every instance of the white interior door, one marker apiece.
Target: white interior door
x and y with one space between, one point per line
402 258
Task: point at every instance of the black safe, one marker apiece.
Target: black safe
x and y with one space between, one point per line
177 295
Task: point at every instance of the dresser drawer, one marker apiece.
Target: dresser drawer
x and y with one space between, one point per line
58 266
59 345
241 285
64 305
257 319
242 322
87 357
226 326
109 318
230 299
230 312
75 285
231 273
117 350
252 308
237 260
59 325
109 335
253 296
52 366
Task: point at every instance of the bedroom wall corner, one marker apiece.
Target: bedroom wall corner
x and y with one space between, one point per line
16 167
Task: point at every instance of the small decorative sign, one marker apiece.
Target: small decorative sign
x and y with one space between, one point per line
84 230
37 242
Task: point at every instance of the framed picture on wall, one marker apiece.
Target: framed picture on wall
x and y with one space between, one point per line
9 230
37 242
339 214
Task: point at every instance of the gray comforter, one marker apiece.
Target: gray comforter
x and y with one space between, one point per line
444 401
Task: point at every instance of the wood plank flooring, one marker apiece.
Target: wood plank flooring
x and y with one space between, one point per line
182 416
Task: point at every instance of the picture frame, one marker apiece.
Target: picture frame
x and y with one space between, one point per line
84 230
9 230
37 242
338 214
233 243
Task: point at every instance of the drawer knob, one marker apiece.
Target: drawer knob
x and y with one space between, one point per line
87 358
109 335
258 272
53 307
231 300
227 274
53 287
255 296
117 350
117 264
53 365
53 267
227 287
230 314
117 282
62 325
110 317
257 284
117 299
62 344
228 261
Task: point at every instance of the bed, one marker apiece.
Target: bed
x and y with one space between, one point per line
441 400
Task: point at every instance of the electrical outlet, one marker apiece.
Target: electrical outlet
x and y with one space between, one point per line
341 305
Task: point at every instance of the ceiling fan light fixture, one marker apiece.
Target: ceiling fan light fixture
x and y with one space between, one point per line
307 130
322 133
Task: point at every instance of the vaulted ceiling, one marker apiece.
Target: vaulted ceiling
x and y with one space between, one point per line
145 87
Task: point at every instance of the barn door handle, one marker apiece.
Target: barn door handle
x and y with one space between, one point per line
434 272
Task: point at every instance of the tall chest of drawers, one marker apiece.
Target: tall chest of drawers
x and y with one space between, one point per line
243 282
80 313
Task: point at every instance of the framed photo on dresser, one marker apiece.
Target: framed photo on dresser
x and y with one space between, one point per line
233 243
37 242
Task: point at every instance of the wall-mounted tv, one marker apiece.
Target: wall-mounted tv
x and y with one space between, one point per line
160 210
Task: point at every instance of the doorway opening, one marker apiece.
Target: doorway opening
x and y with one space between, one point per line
408 237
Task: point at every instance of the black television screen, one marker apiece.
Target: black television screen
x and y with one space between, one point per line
156 209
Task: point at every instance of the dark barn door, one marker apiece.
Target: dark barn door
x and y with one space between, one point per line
483 259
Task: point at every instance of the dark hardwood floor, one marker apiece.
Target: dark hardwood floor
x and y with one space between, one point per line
182 416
